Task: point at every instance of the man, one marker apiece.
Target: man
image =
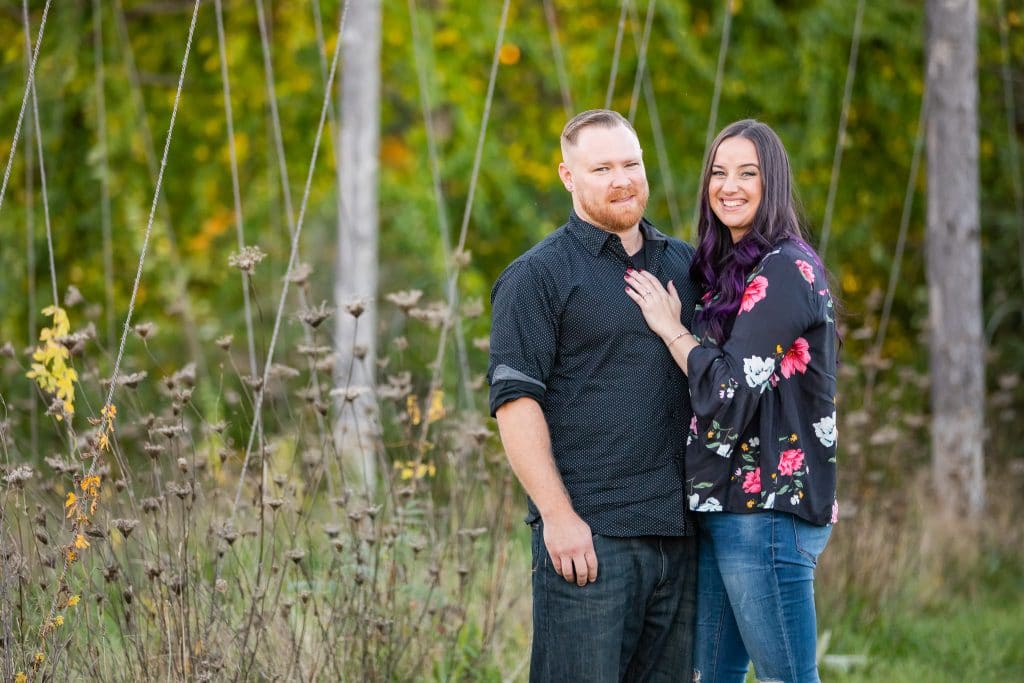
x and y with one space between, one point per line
593 413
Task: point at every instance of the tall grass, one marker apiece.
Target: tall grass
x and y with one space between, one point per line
423 575
315 574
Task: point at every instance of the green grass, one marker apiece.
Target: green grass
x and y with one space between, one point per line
976 635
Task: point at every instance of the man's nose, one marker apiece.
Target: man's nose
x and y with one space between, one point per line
620 178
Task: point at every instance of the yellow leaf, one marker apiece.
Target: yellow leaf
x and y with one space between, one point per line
412 406
80 542
91 484
436 410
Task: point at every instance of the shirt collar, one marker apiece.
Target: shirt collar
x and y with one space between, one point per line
594 238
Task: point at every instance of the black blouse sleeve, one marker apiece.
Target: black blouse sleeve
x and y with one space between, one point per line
764 348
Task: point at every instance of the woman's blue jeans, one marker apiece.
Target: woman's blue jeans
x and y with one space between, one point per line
755 597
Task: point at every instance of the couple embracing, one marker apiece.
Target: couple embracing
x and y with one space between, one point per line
670 412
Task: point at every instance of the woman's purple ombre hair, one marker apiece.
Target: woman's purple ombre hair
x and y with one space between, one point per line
721 267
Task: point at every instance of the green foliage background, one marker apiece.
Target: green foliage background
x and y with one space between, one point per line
785 63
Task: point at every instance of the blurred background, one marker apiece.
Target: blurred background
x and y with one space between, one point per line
301 480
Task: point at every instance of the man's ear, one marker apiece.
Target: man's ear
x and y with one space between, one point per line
566 175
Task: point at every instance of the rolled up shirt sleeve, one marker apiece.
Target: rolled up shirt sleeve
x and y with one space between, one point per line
524 334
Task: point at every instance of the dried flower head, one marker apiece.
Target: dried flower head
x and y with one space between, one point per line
473 308
462 257
125 526
312 351
19 475
350 394
356 307
398 387
132 380
434 314
186 377
476 532
246 259
144 330
281 371
315 316
72 296
300 274
254 382
225 341
180 490
405 300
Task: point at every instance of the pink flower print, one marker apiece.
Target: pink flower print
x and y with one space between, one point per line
693 424
835 511
796 359
752 482
806 270
754 292
790 461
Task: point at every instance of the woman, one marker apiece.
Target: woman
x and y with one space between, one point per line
760 458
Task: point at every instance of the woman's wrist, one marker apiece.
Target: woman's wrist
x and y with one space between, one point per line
669 341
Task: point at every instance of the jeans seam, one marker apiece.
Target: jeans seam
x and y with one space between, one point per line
790 664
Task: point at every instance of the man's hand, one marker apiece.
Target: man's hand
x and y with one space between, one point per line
570 544
568 539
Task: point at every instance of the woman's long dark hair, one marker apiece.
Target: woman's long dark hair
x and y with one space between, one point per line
720 268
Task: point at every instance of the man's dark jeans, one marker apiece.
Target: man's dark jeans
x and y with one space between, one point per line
635 623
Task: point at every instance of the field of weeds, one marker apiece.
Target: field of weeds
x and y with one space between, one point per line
169 535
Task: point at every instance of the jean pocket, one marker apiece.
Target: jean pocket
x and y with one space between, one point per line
810 539
537 548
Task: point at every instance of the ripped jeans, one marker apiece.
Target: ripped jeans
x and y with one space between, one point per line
755 597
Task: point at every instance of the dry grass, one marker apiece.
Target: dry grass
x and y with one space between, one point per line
312 575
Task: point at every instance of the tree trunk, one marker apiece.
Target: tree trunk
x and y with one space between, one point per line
357 426
954 260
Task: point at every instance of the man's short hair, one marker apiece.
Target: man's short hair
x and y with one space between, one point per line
605 118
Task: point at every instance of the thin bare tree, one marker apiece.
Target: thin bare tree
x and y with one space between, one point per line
356 274
954 259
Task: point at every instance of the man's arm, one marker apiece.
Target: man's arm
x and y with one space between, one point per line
568 539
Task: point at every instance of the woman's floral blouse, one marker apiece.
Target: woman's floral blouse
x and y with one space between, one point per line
763 434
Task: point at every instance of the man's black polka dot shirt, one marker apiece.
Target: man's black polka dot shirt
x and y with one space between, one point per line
565 333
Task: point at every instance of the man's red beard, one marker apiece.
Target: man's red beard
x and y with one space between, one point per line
617 218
